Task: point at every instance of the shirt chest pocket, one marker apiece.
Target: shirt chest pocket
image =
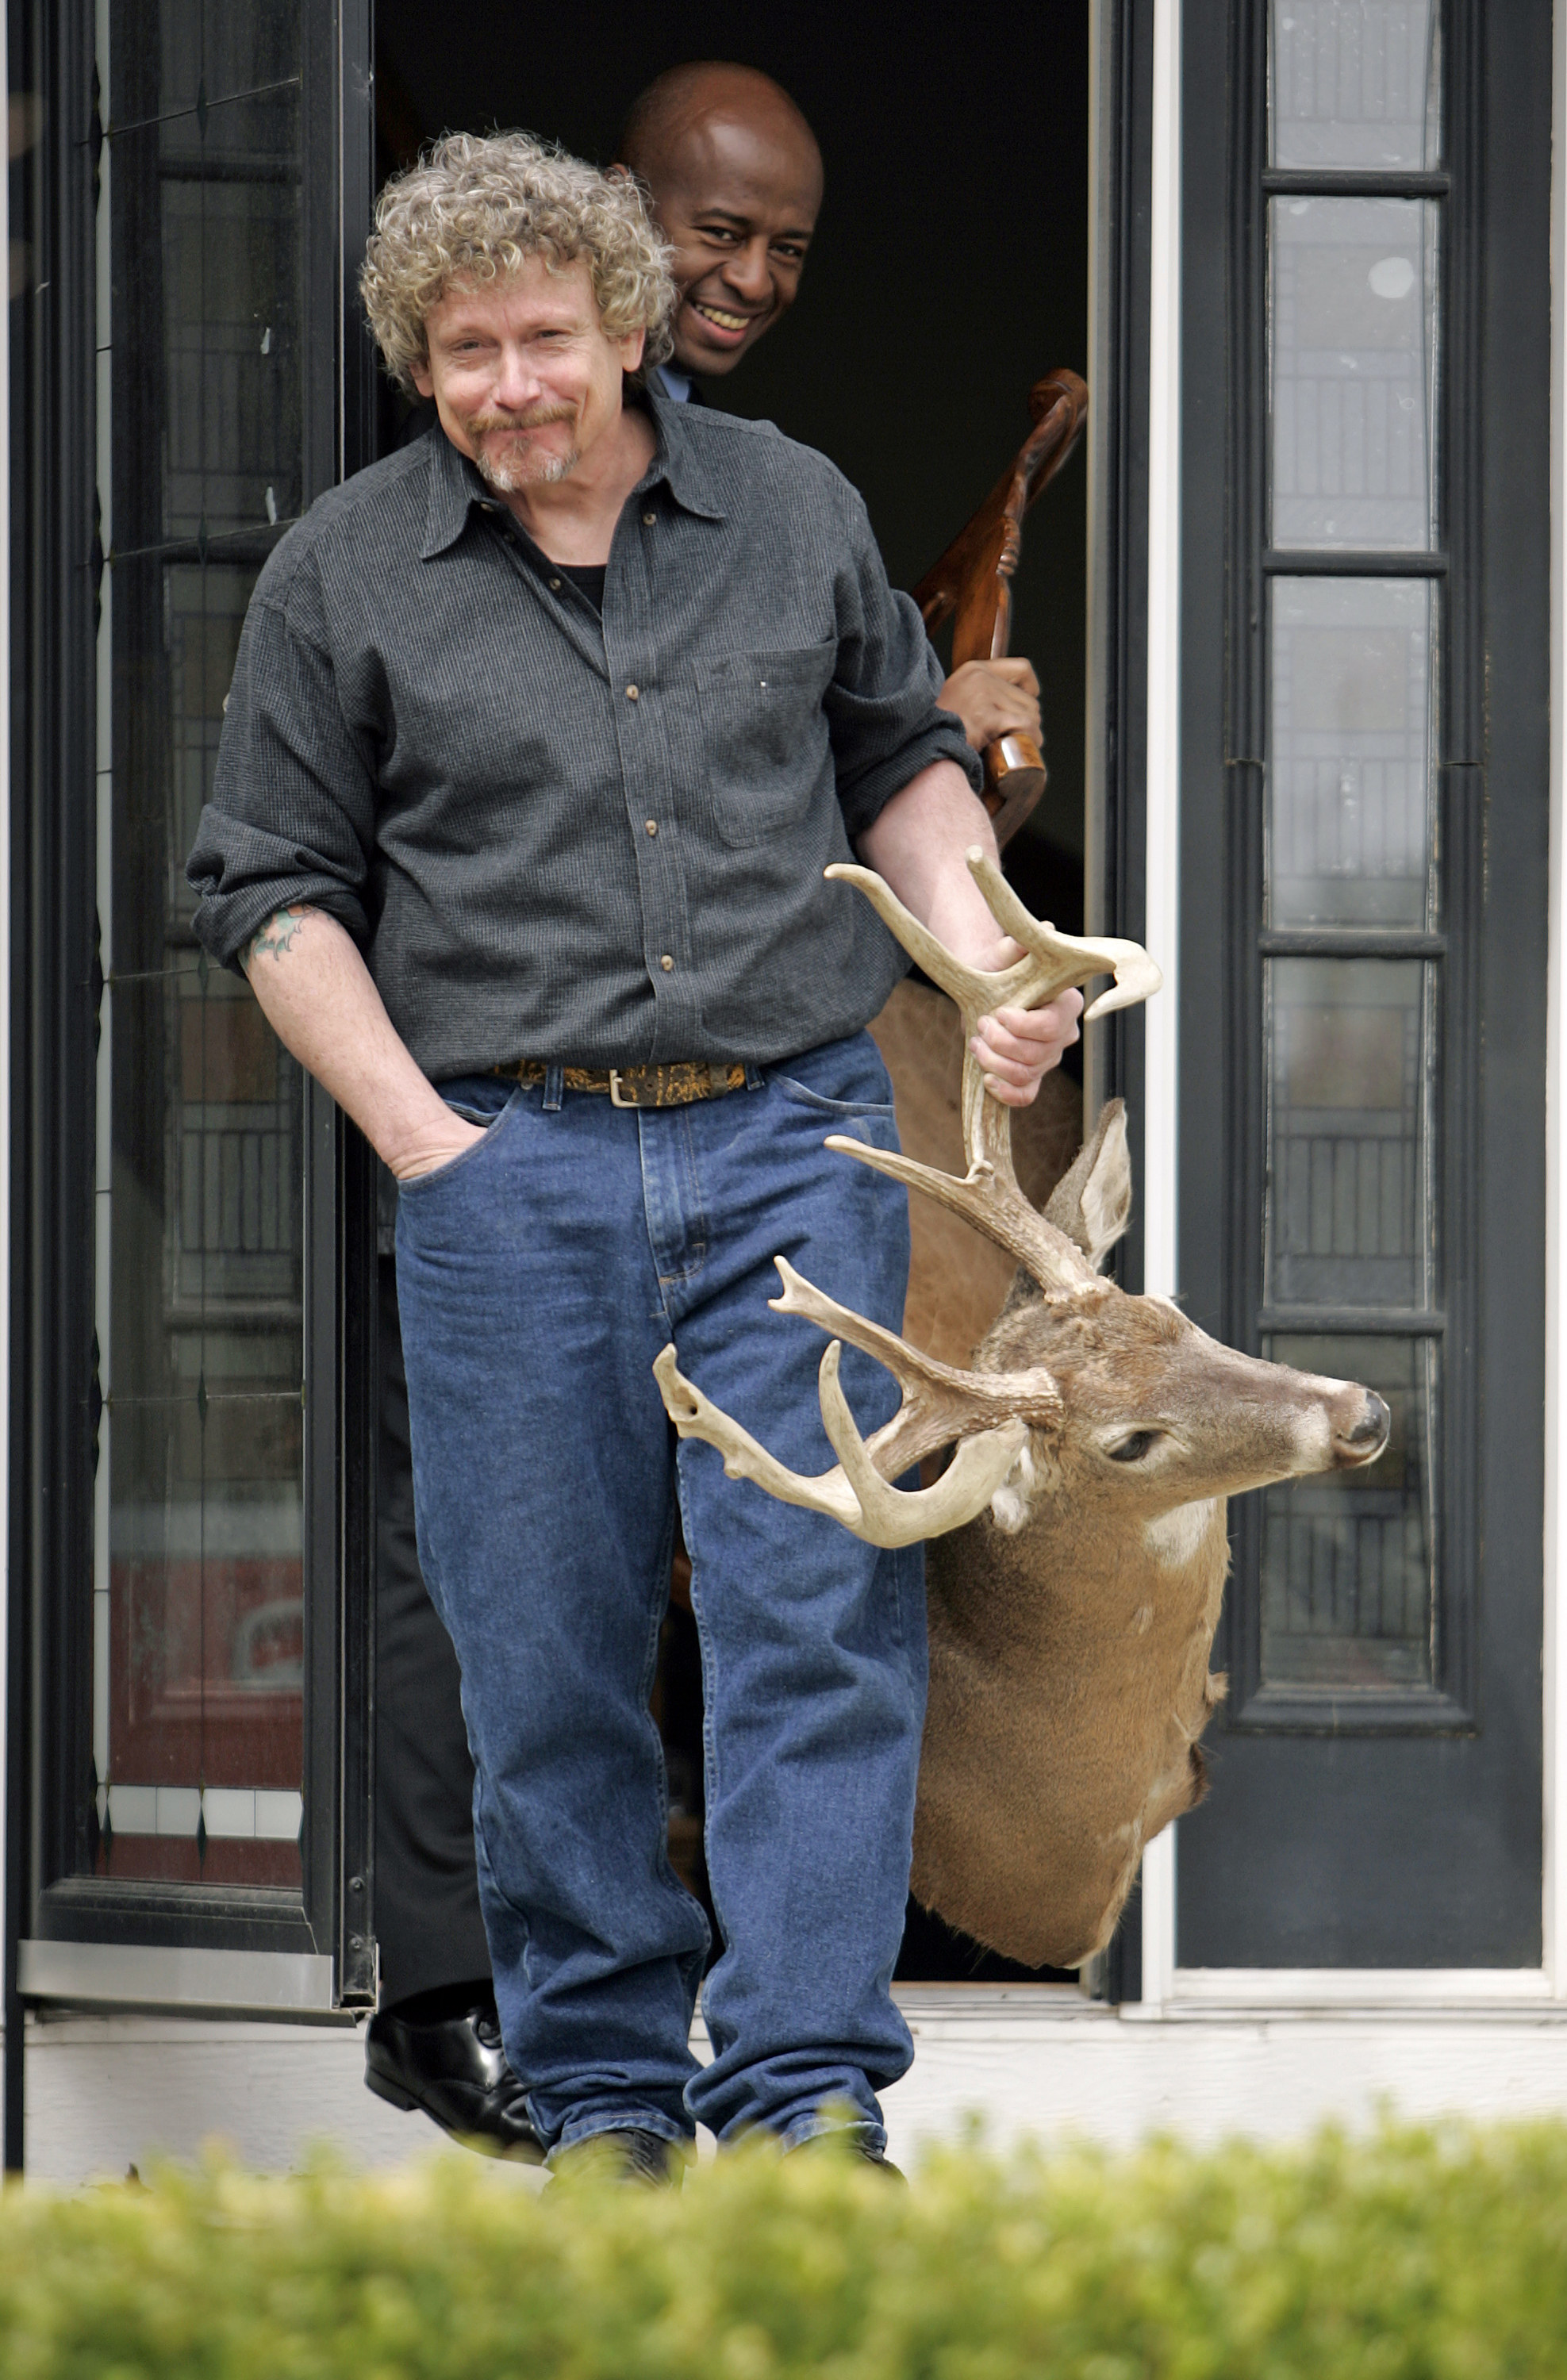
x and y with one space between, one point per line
764 738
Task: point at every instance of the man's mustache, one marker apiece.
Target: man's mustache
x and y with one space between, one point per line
540 418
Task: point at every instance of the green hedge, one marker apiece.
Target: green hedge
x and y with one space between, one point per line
1412 2253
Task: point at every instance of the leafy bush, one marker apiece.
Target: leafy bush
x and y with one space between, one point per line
1409 2256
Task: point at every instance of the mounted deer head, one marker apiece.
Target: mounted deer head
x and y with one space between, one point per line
1079 1544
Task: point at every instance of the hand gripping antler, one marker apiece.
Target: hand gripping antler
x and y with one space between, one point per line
989 1196
989 1414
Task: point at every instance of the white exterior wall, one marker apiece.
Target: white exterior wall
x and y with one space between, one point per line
1206 2054
105 2092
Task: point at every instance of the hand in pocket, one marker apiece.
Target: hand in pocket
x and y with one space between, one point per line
440 1148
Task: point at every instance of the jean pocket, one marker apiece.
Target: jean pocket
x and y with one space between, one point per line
842 1111
464 1157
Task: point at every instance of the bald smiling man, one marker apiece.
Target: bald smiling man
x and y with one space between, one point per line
735 179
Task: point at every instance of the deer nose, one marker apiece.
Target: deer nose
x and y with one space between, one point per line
1366 1439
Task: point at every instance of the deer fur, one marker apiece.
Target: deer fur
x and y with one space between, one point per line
1071 1624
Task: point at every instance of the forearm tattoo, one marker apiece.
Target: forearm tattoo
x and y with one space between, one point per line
276 936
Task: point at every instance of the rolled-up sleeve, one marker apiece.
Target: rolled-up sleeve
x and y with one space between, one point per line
882 709
292 816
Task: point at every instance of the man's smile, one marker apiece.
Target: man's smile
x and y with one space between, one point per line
727 324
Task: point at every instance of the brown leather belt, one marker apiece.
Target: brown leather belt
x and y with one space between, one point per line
638 1086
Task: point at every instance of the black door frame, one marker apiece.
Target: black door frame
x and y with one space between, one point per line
56 561
1493 762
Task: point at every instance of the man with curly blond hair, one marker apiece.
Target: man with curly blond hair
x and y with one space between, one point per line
542 734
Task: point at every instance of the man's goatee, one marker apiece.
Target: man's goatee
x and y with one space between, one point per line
546 471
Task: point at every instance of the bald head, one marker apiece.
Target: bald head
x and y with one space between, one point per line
736 178
684 98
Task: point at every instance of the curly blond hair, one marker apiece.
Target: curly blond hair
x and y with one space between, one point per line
474 208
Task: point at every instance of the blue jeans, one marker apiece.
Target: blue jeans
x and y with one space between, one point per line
539 1275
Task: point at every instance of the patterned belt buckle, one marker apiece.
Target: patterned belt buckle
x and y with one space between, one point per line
615 1099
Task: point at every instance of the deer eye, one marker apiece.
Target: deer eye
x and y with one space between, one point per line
1132 1449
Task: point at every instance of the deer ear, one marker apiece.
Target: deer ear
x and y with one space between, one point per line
1092 1204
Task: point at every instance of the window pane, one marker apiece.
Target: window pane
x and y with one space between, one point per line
200 1354
165 56
177 630
1348 1198
1350 752
207 293
198 1677
205 1184
206 1633
1354 82
1348 1559
1352 346
235 1109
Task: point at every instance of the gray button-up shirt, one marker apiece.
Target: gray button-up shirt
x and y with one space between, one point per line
557 836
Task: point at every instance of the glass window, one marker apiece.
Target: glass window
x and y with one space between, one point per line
1353 378
1354 83
1349 731
197 1710
1349 1208
1347 1557
1352 968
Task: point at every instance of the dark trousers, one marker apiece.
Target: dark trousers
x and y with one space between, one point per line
427 1914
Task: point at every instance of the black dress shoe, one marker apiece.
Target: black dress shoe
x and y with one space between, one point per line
453 2069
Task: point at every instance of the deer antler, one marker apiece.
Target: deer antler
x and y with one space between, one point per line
989 1414
992 1416
989 1196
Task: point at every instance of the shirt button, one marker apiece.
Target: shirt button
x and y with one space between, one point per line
667 963
648 519
556 585
652 826
631 693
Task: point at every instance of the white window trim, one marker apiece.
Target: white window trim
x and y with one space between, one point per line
4 1022
1162 1086
1246 1988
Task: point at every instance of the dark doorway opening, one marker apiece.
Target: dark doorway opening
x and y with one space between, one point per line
949 269
949 272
